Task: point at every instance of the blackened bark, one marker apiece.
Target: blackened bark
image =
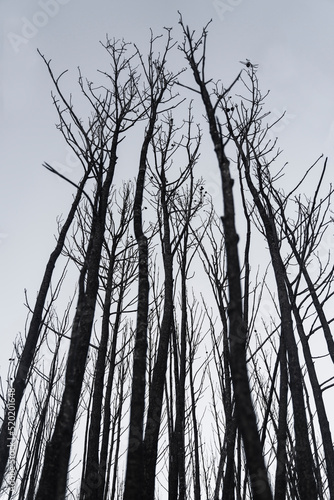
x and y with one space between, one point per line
159 372
32 464
95 470
308 230
228 451
304 462
159 82
326 435
245 413
54 474
228 481
173 474
134 480
28 352
230 431
103 471
196 443
281 472
92 473
180 396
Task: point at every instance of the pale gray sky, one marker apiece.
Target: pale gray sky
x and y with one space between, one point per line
292 42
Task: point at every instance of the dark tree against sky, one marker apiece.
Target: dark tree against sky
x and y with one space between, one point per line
151 367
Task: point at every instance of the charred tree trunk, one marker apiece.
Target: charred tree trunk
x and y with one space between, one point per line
95 470
134 480
54 474
246 418
281 471
304 462
36 323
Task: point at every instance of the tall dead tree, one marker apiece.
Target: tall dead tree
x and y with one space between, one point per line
116 115
170 368
237 328
244 130
158 98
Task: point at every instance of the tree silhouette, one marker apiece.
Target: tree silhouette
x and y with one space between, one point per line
185 363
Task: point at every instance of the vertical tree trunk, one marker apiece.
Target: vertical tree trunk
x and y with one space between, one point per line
94 471
159 372
134 480
245 413
31 341
180 397
281 472
54 474
159 83
104 473
326 434
304 461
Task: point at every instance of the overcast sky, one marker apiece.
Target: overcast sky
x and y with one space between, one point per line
292 42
